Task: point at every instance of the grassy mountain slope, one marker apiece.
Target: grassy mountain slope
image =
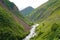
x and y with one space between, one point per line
27 10
10 29
43 11
12 24
13 8
49 28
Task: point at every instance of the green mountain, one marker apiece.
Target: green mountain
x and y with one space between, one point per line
27 10
13 26
48 16
41 13
13 8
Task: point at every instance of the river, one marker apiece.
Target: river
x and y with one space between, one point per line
32 32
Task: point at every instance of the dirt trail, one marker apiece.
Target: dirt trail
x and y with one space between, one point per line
26 26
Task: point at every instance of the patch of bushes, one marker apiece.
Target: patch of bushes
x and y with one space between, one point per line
54 27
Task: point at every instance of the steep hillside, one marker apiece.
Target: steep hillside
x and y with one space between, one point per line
49 20
43 11
27 10
12 24
49 29
10 28
13 8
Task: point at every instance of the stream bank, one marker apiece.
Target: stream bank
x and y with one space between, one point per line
32 32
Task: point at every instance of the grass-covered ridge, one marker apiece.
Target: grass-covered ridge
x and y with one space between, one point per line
49 20
49 29
10 29
44 11
13 8
13 26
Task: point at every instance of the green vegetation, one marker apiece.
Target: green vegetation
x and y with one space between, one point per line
44 11
10 29
49 29
13 8
10 26
27 11
49 20
9 4
47 15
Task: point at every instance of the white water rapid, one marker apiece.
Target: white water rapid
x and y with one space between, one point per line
32 32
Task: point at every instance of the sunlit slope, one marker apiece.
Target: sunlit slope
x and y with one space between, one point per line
44 11
49 28
10 28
